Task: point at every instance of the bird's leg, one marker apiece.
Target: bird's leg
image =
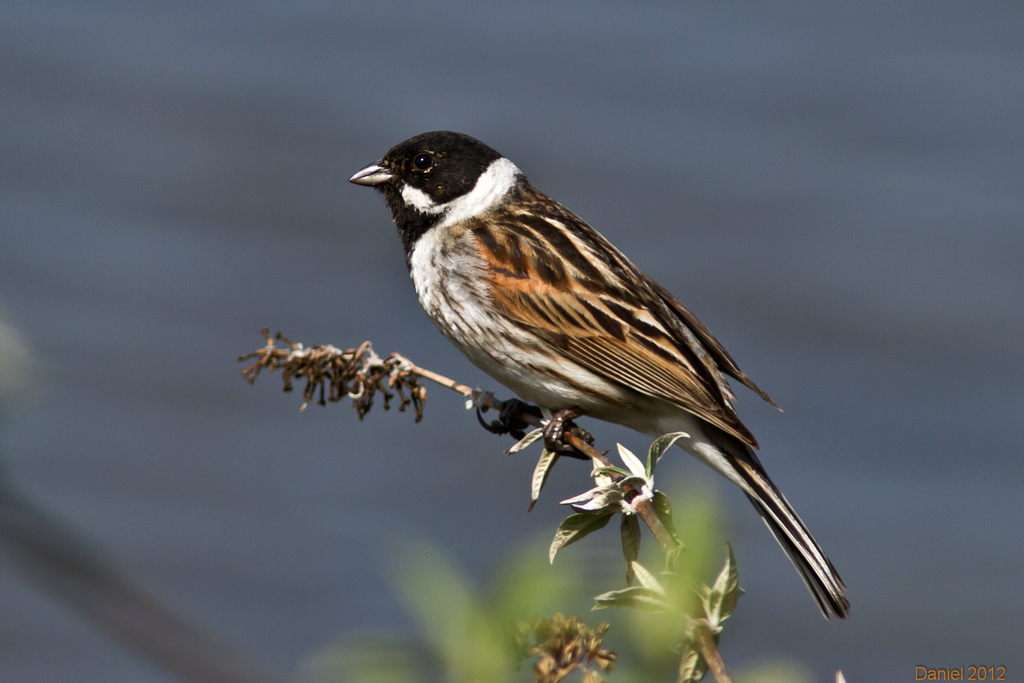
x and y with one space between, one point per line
510 418
560 423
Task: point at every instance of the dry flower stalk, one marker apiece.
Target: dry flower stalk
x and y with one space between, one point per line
332 374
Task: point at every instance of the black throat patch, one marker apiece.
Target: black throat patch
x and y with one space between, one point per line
411 224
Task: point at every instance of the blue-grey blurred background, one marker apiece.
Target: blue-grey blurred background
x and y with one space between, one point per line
837 190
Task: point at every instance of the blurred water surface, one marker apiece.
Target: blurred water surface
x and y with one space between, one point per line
837 191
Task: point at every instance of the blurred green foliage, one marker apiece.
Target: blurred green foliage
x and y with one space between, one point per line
473 634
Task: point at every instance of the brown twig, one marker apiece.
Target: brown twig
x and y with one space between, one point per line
439 379
705 642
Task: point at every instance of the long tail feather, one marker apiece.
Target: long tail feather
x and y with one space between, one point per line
738 463
815 568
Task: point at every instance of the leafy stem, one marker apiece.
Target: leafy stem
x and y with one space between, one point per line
359 373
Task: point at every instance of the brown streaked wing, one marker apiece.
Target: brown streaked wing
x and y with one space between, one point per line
690 331
581 321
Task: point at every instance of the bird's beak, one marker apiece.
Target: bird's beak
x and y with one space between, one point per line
372 175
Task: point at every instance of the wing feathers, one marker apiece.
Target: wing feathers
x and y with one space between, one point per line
574 290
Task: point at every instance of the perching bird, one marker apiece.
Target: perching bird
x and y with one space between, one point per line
541 302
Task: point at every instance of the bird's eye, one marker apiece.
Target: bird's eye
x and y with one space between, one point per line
423 161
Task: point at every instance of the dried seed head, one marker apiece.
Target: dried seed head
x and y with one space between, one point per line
332 374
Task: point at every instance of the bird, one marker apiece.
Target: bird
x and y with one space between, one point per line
539 300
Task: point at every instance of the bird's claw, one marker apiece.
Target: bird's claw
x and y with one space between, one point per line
556 429
510 418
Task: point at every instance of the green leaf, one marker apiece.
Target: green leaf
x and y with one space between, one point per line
692 667
609 471
540 474
598 498
648 580
663 508
630 544
586 495
607 501
574 527
635 597
638 482
632 462
720 600
525 441
658 448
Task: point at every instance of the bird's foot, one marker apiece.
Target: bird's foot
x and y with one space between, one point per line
510 418
560 425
